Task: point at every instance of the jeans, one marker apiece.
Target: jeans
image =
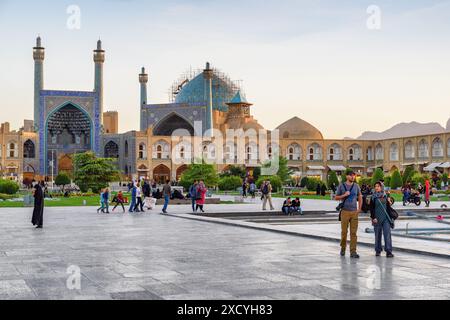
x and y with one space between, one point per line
385 229
193 204
133 204
166 202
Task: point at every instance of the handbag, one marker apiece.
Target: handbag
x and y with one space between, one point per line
391 222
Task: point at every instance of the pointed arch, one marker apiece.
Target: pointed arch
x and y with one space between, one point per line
171 123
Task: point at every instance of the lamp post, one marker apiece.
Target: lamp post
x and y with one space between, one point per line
52 167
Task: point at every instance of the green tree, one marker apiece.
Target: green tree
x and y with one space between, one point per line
304 182
407 174
230 183
62 180
94 173
378 175
416 179
333 179
283 172
396 180
275 181
8 187
237 171
200 171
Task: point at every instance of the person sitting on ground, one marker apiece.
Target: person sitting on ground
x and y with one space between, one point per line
296 206
287 206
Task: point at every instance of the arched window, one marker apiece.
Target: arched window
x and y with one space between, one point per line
294 152
183 151
112 150
142 151
126 149
230 152
369 154
161 150
13 151
410 152
335 152
29 149
423 149
251 151
437 148
355 153
315 152
394 152
379 152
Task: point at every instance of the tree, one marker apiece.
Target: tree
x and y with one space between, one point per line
445 178
62 180
8 187
407 174
230 183
275 181
396 180
203 171
332 179
94 173
378 175
303 182
283 172
237 171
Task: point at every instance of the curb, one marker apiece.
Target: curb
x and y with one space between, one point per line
298 234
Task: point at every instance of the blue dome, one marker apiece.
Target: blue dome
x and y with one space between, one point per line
195 92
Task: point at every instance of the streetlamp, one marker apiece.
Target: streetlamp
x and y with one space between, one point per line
52 166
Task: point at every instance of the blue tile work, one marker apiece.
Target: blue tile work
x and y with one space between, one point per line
68 96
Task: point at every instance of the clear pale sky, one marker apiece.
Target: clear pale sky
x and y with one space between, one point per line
315 59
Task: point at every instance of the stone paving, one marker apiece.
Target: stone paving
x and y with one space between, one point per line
152 256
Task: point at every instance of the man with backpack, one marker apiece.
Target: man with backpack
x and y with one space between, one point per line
266 190
350 194
193 194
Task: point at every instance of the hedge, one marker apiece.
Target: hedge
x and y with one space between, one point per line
8 187
230 183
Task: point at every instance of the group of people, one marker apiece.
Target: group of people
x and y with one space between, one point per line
197 194
249 188
292 207
408 191
381 213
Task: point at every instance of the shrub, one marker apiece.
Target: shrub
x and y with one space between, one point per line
62 180
312 183
365 180
5 196
275 181
8 187
407 174
333 179
445 178
303 182
387 181
377 176
230 183
396 180
416 179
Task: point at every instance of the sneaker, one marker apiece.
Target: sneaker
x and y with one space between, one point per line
377 254
389 255
342 253
354 255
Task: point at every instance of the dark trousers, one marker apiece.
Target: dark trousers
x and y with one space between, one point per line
385 230
139 204
193 204
117 204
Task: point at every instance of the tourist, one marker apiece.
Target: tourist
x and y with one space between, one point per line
201 196
406 190
287 206
350 195
106 200
146 189
167 192
133 198
252 189
266 190
244 189
139 206
427 193
193 194
296 206
318 189
38 211
102 201
323 190
379 208
119 200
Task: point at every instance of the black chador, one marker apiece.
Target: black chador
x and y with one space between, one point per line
38 212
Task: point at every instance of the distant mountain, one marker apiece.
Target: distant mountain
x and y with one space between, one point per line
405 130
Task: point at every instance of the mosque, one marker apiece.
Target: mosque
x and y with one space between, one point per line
204 104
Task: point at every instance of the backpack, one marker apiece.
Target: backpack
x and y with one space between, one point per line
265 189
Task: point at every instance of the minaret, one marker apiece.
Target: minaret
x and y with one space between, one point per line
208 74
38 56
99 59
143 79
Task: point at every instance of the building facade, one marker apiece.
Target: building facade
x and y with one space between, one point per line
205 107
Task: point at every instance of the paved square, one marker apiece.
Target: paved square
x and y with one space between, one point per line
152 256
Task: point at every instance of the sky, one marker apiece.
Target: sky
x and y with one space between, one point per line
315 59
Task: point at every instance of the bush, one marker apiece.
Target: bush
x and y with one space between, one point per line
387 181
416 179
303 182
445 178
365 180
230 183
378 175
275 181
312 184
396 180
333 179
8 187
5 196
62 180
407 174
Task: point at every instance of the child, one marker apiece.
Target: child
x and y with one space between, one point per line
119 200
102 203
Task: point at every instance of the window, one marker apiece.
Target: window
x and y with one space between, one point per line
410 153
394 152
294 152
142 151
423 149
29 151
379 152
12 150
437 148
161 150
335 152
315 152
355 153
369 154
126 149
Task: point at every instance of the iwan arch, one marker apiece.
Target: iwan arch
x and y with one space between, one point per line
67 122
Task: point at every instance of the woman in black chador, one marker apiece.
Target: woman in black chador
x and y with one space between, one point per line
38 212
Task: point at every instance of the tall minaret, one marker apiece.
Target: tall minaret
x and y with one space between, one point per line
38 56
143 79
208 75
99 59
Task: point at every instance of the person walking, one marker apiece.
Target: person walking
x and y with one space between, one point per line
193 194
427 193
350 194
167 192
119 200
266 190
201 196
38 212
106 200
133 198
381 221
139 206
102 202
252 189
